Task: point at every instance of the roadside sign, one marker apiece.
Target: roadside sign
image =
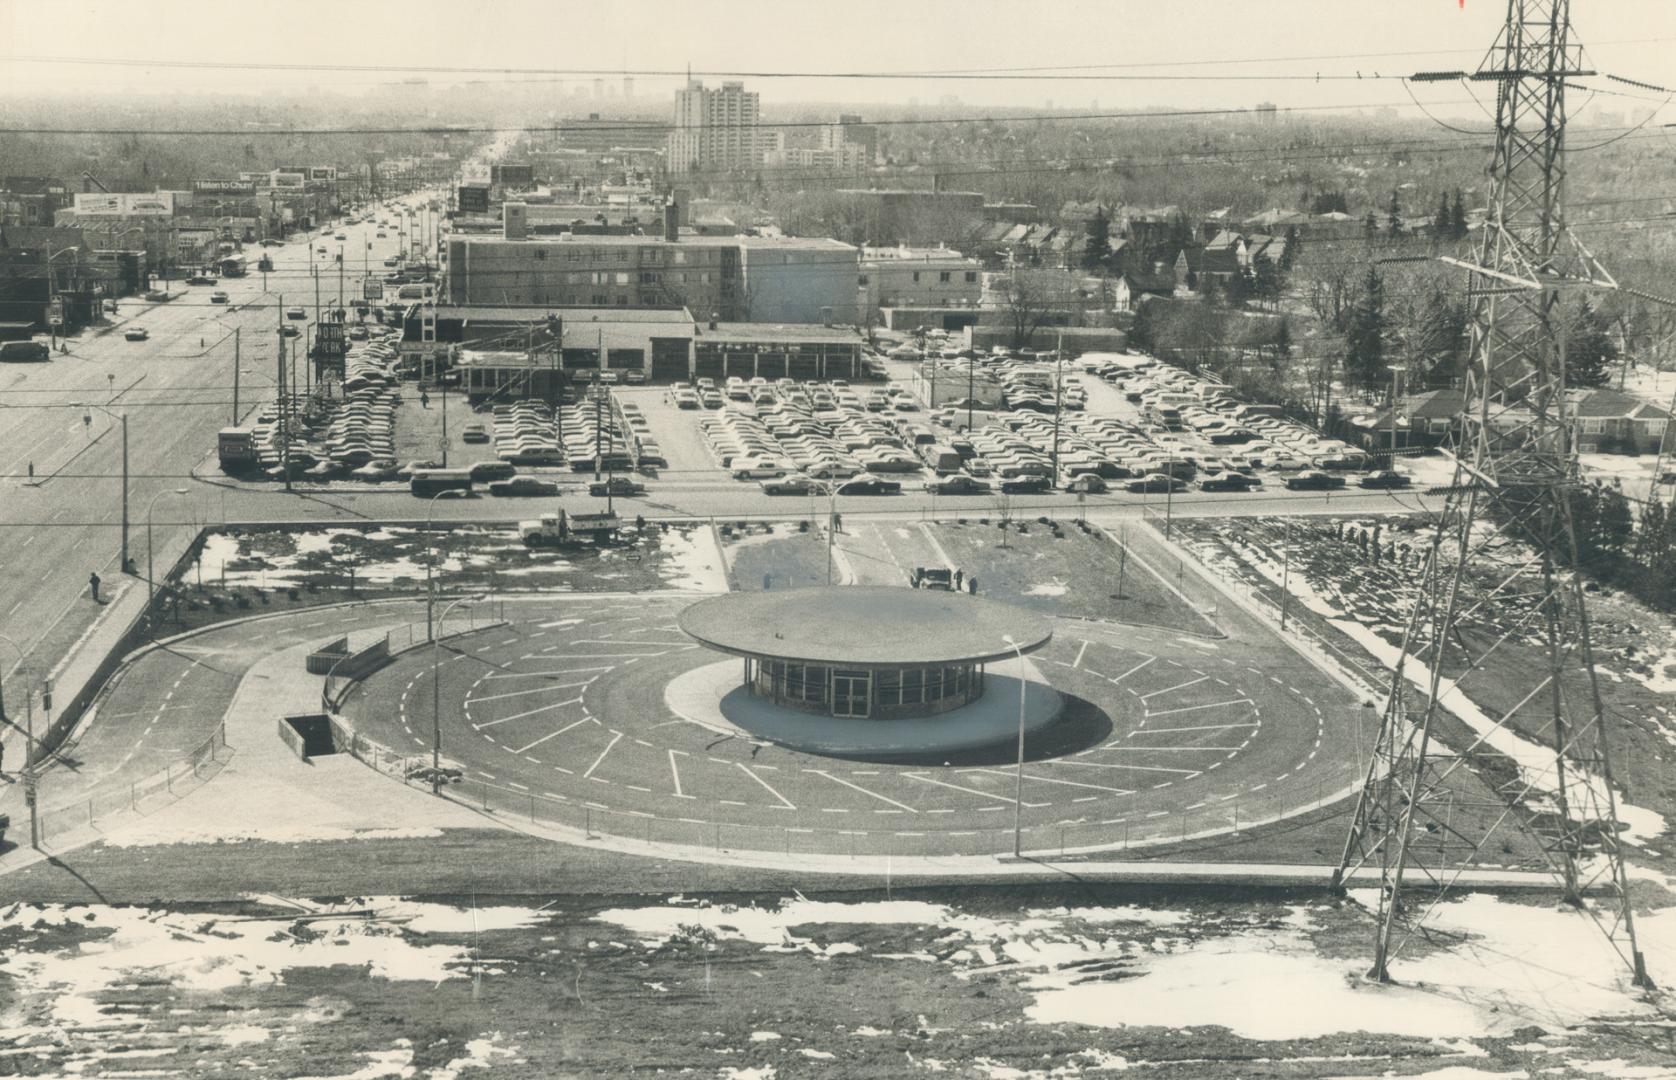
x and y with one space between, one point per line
373 290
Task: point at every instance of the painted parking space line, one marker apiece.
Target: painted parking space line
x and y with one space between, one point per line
785 803
529 712
970 791
556 734
1196 708
675 771
1178 686
614 740
1052 780
1121 765
864 791
1134 669
537 690
1200 727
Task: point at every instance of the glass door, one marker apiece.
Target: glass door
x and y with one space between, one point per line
852 692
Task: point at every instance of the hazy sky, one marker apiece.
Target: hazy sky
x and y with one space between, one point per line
1636 38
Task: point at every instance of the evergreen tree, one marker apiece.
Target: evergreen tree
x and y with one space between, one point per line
1097 248
1370 225
1289 248
1441 227
1265 279
1282 344
1364 339
1458 218
1590 351
1239 289
1393 215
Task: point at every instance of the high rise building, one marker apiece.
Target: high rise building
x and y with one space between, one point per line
716 129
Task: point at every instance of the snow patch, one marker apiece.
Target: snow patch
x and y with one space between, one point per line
151 832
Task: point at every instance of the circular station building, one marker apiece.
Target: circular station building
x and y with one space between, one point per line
859 655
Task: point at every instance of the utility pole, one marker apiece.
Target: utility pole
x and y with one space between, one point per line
1516 464
236 374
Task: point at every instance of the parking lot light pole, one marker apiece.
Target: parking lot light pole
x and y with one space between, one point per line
436 695
150 582
1018 775
430 556
831 526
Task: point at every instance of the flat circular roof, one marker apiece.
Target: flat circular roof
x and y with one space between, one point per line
874 625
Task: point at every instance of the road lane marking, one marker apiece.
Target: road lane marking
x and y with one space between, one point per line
1119 765
676 773
1207 705
589 774
864 791
785 802
537 690
1077 663
1178 686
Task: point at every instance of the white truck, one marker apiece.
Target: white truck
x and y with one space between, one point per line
568 530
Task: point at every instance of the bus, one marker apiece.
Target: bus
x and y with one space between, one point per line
428 482
233 266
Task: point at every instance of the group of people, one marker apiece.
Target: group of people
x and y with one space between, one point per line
922 579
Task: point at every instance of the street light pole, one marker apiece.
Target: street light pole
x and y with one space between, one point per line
28 769
150 582
430 556
831 526
1018 775
87 418
1396 370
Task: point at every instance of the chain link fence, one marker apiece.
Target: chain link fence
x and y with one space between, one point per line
136 796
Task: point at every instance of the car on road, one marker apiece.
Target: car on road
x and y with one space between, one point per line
295 313
1155 482
1087 484
1314 480
138 333
201 279
620 486
474 433
634 378
290 331
1228 481
340 236
269 241
523 485
958 484
377 469
792 485
1386 479
157 296
218 297
870 485
381 234
1026 485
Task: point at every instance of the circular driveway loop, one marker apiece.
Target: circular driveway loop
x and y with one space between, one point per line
569 705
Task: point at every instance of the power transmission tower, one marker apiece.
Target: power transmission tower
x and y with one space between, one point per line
1505 545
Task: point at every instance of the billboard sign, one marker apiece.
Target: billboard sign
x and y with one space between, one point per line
323 172
125 204
329 342
224 187
288 181
373 290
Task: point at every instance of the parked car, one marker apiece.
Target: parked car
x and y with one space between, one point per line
269 241
620 486
484 471
377 469
474 433
201 279
290 331
138 333
295 313
1026 485
1314 480
523 485
1385 478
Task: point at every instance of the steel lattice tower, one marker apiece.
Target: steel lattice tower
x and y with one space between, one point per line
1505 542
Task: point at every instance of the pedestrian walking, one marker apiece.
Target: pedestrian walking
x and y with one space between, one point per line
424 400
972 585
958 574
93 585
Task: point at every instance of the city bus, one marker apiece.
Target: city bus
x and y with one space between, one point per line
233 266
428 482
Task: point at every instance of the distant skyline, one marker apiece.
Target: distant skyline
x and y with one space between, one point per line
1176 45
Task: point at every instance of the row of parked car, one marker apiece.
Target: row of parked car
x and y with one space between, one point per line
354 438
